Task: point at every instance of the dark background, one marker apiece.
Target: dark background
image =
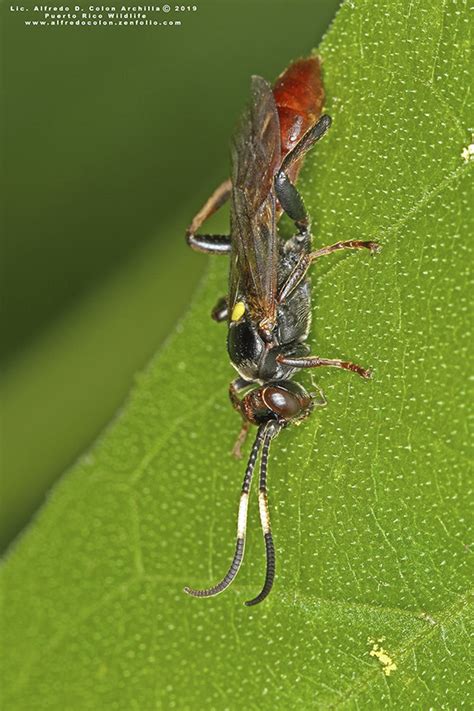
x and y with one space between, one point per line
112 138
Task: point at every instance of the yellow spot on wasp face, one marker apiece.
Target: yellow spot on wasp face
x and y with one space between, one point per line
238 311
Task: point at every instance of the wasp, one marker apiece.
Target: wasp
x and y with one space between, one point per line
268 307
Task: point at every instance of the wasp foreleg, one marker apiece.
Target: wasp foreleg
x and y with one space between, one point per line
240 441
234 388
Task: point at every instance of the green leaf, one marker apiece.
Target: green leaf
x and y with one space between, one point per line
121 275
368 497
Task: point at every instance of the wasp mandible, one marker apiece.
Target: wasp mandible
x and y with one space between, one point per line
268 307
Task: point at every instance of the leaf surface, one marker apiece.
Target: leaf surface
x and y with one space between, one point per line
372 604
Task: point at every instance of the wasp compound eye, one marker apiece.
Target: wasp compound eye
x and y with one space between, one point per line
282 403
286 399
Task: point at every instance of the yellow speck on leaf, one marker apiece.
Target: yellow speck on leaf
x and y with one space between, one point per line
384 658
102 671
468 152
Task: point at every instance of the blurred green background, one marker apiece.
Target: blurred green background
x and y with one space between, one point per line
112 138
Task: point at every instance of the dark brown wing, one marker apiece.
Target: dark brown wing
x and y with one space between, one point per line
256 156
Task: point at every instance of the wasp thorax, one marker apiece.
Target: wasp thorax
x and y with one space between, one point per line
282 400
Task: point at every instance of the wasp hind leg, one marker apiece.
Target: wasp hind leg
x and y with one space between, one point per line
210 244
292 203
288 196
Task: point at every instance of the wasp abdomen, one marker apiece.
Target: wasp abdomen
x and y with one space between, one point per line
299 97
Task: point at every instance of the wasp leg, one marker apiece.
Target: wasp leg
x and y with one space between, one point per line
292 202
219 312
316 362
240 441
241 525
307 141
234 387
305 261
210 244
288 196
349 244
321 401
